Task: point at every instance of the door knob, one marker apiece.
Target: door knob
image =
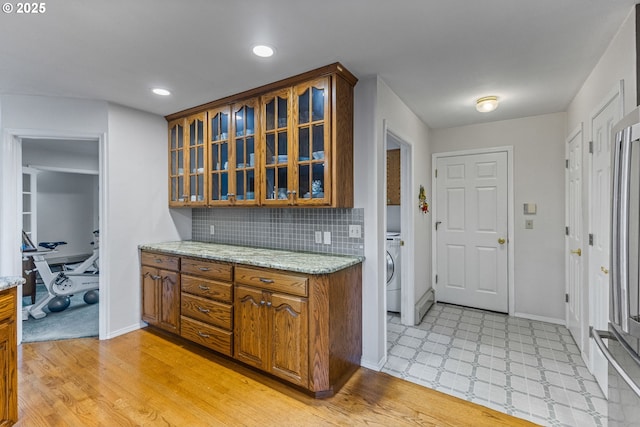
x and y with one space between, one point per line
604 270
577 251
501 241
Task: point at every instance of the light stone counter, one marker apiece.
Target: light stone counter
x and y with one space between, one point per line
8 282
301 262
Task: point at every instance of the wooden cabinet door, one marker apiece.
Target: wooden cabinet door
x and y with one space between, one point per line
312 142
177 164
276 156
289 338
244 170
220 163
150 295
196 157
169 310
251 327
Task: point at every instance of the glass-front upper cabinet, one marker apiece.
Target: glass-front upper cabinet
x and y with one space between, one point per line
219 152
276 118
312 142
196 152
177 165
245 172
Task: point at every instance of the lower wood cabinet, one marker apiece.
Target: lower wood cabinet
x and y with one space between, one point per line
8 358
302 328
161 291
272 333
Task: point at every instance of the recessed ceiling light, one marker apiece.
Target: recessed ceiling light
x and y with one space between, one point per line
487 104
263 51
160 91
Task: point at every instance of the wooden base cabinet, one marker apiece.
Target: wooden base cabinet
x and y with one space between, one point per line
304 329
161 291
8 358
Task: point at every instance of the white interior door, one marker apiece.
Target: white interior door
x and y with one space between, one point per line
574 236
600 205
472 195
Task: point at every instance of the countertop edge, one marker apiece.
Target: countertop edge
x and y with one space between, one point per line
8 282
344 261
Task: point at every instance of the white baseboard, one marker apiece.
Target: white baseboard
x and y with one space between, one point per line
375 366
540 318
123 331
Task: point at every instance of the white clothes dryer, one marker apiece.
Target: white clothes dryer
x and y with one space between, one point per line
393 271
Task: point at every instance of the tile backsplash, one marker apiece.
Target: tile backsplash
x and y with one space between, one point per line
289 229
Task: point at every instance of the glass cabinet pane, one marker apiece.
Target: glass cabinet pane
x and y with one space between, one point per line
244 155
176 162
196 158
276 120
219 128
318 104
303 107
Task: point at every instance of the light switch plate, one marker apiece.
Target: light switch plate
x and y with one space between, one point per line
530 208
318 237
212 230
355 231
528 224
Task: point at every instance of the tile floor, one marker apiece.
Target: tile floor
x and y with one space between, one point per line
529 369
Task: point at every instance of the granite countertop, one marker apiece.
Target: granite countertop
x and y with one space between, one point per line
301 262
8 282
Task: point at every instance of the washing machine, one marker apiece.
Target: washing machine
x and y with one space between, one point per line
393 271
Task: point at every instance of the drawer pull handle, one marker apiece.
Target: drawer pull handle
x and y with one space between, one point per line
158 260
204 335
263 280
203 287
203 310
204 269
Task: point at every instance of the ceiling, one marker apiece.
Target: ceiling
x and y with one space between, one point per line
438 56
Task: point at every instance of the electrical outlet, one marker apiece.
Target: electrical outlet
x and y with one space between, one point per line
355 231
318 237
212 230
528 224
327 237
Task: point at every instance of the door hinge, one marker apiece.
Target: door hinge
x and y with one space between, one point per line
566 231
590 147
436 173
566 297
436 278
590 239
566 163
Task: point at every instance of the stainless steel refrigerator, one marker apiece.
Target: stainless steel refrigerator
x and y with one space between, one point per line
623 336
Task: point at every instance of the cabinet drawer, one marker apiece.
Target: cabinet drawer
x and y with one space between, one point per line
207 288
209 336
206 310
161 261
208 269
272 280
7 305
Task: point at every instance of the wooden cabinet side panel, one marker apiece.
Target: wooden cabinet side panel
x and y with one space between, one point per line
8 362
345 324
290 338
342 148
150 296
319 339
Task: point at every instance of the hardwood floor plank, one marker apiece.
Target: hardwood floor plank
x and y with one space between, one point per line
144 379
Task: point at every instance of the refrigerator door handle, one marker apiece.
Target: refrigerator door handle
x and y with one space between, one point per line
614 309
596 335
623 229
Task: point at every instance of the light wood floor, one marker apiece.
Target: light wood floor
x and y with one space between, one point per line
142 379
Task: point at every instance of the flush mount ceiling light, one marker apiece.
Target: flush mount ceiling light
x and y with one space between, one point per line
263 51
487 104
160 91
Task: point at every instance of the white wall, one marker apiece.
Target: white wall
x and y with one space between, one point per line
136 207
65 211
617 63
538 150
375 106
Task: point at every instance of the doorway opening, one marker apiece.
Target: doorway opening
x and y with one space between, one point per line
60 202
